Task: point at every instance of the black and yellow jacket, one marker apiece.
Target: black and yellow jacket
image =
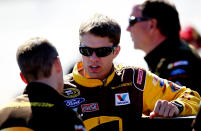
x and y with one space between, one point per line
40 108
123 96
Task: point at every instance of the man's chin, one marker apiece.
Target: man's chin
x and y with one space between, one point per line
94 76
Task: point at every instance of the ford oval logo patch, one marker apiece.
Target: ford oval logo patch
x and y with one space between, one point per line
74 102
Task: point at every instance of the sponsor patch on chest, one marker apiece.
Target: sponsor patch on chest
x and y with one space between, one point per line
122 99
74 102
90 107
71 93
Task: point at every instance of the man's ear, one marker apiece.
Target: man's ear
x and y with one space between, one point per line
116 51
58 65
153 23
23 79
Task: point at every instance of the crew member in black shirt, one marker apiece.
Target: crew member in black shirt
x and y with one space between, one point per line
154 27
41 107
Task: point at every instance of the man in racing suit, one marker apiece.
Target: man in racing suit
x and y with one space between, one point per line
112 97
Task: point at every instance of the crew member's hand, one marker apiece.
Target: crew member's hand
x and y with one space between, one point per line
164 108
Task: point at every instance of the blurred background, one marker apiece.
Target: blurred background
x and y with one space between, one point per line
59 21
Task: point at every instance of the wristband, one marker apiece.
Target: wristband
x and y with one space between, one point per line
178 105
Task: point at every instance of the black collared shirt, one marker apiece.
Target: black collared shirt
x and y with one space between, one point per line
176 61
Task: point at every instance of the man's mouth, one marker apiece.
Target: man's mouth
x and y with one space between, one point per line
94 68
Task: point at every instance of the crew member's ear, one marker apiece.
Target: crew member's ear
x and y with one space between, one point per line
23 79
58 64
116 51
152 26
153 23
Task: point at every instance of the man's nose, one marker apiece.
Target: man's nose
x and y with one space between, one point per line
128 28
93 56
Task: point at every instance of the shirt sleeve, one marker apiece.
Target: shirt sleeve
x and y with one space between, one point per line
157 88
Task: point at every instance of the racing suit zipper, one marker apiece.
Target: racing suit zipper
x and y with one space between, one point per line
104 81
102 98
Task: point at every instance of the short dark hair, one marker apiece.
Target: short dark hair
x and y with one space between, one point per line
35 58
166 15
102 26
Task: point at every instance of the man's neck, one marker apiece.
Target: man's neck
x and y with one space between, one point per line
48 81
155 42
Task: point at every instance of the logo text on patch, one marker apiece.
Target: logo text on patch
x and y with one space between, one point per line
71 92
122 85
74 102
155 80
140 76
90 107
174 87
122 99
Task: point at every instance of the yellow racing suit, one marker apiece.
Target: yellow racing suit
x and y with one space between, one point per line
126 94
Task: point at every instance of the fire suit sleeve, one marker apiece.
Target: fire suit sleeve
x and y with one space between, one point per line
157 88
